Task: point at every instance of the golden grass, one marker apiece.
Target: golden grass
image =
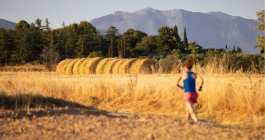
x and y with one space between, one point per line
90 67
70 66
125 67
101 65
83 65
109 66
76 66
229 99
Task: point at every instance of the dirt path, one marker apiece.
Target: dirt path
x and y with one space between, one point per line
73 123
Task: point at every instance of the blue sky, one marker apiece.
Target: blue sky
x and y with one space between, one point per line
71 11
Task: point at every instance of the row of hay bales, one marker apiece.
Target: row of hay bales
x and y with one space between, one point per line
99 65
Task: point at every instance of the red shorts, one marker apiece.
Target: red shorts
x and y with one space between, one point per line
190 97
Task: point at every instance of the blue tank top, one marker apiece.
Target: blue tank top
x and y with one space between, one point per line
189 83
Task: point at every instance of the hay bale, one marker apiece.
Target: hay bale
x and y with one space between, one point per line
109 66
91 66
70 66
116 67
59 66
63 69
146 66
125 67
101 65
83 65
136 66
76 66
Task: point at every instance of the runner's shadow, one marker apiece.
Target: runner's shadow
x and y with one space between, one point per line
32 106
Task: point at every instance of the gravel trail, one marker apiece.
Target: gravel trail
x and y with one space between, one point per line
76 123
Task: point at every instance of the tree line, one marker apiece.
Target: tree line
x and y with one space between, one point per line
37 42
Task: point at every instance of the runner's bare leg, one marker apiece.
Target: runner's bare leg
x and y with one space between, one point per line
187 114
192 112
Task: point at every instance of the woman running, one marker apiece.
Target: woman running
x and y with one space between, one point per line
190 94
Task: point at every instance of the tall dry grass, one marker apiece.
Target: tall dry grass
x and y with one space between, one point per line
228 96
227 99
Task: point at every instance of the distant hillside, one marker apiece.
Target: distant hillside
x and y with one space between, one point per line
7 24
207 29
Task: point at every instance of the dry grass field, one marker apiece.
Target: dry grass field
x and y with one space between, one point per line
231 99
79 102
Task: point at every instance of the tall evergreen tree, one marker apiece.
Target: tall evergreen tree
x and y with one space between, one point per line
3 45
176 35
261 26
124 48
22 40
185 39
112 33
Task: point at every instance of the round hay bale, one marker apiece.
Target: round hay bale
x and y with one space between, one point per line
59 66
70 66
101 65
63 69
91 66
76 66
136 66
146 66
116 67
109 66
125 67
83 65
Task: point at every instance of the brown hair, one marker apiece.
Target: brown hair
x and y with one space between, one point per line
189 63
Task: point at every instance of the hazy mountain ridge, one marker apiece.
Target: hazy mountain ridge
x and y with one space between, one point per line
208 29
7 24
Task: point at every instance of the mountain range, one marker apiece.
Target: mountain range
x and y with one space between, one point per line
212 29
7 24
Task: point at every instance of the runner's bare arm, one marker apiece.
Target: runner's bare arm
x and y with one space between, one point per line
179 78
202 81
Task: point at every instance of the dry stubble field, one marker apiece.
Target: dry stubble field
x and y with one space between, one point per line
65 106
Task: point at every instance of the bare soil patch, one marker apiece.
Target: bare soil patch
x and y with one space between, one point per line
80 123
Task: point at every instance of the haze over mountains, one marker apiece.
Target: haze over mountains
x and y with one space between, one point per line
214 29
7 24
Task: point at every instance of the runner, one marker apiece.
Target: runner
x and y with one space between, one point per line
190 94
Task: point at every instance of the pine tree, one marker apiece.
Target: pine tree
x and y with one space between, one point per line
261 26
22 51
111 48
185 39
38 35
3 45
119 49
124 47
176 35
